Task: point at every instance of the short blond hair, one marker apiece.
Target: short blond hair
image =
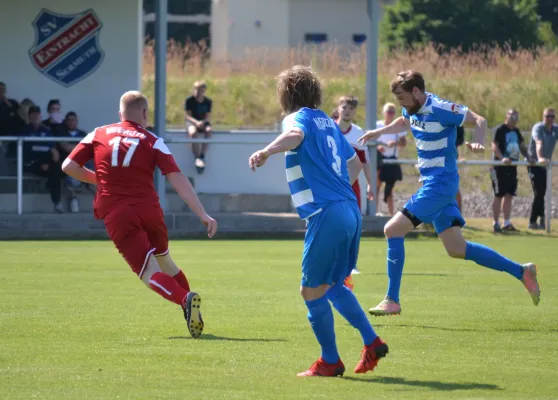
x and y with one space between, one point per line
200 85
387 106
133 100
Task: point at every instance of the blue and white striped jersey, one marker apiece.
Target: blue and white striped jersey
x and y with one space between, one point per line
434 128
317 169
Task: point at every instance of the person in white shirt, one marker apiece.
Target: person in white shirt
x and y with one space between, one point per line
389 146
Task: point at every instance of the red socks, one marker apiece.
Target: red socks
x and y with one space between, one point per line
169 287
180 278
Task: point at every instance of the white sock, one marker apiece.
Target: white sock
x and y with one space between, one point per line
507 222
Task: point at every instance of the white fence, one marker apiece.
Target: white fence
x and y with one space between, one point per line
253 144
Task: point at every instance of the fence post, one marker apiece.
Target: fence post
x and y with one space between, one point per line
20 177
372 204
548 197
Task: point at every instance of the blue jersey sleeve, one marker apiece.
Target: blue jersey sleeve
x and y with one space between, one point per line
450 114
404 113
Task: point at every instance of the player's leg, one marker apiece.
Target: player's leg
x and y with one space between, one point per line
349 279
448 225
193 133
169 267
343 299
388 196
395 231
318 259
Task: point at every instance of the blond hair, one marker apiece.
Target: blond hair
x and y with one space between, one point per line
132 101
200 85
387 106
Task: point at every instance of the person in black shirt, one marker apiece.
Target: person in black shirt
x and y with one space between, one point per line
507 146
42 158
198 113
10 123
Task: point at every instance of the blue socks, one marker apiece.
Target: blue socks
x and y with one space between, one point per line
488 258
395 262
320 316
347 305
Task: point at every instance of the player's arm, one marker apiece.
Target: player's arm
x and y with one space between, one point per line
479 134
73 165
536 134
398 125
286 141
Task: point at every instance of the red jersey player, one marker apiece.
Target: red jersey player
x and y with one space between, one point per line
125 156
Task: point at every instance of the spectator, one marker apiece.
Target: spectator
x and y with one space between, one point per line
54 120
42 158
70 128
389 174
459 140
198 113
508 143
541 147
9 117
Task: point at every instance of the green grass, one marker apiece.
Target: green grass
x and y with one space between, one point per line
77 324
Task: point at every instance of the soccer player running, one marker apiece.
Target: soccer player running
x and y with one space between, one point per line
320 166
126 155
433 123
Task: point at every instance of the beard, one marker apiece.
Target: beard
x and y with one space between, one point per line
414 108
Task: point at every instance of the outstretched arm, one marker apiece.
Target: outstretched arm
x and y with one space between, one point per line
286 141
398 125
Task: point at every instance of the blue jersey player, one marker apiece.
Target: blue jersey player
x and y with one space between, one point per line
433 123
320 167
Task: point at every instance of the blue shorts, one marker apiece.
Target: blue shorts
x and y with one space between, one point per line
331 244
434 207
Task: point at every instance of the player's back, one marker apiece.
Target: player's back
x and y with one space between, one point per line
317 169
125 157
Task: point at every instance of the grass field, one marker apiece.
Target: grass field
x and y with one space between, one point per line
77 324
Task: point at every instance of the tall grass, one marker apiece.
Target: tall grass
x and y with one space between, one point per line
489 80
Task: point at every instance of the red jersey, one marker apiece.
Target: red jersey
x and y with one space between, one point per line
125 157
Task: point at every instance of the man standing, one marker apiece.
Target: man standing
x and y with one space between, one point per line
507 145
198 113
321 166
541 147
126 155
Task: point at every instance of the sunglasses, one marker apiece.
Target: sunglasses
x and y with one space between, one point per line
550 116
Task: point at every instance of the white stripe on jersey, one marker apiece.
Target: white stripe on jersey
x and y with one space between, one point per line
431 162
294 173
161 146
428 127
302 198
432 145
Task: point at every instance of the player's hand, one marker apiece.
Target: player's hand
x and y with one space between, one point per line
475 147
381 148
506 161
210 224
544 161
391 143
369 193
366 137
258 159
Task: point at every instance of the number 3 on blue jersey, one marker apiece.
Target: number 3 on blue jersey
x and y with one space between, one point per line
336 165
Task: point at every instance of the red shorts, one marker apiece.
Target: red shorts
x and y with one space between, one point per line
356 189
137 232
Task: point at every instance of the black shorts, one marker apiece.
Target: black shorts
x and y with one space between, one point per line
504 181
389 173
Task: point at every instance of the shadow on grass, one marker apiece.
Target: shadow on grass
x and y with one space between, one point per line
410 274
457 329
434 385
209 336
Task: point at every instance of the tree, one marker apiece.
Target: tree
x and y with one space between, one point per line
548 12
461 24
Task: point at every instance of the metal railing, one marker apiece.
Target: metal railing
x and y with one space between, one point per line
371 209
